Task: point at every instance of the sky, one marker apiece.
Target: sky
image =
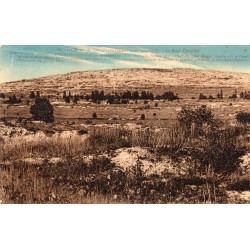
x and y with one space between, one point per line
19 62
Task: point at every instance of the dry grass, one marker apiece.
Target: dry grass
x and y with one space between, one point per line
70 180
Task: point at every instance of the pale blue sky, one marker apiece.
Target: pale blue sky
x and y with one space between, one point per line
24 62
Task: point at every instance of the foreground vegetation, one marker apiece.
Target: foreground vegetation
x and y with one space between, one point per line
197 160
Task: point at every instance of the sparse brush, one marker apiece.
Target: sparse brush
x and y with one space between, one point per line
212 153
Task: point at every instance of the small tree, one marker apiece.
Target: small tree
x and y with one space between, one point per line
42 110
143 117
94 115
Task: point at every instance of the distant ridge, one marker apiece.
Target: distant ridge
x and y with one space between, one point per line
147 78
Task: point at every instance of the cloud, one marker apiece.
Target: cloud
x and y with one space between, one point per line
145 59
55 56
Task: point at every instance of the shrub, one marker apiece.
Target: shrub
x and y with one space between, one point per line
13 100
94 115
67 99
233 96
243 117
170 96
76 99
217 149
83 132
189 117
221 151
143 117
32 95
202 97
42 110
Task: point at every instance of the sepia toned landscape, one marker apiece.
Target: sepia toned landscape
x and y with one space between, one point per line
126 136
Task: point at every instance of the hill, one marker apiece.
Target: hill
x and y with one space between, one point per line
120 79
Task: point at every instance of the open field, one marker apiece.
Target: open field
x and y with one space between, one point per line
117 157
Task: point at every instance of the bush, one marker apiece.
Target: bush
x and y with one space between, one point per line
217 148
83 132
32 95
13 100
94 115
221 151
42 110
143 117
202 97
189 117
243 117
170 96
67 99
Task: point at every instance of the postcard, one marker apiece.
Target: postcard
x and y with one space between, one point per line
124 124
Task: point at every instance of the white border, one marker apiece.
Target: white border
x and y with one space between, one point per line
124 227
112 23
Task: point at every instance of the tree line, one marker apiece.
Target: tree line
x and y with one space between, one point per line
97 96
220 95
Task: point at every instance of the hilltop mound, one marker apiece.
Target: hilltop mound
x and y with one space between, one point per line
130 79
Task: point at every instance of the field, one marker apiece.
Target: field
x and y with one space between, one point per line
119 157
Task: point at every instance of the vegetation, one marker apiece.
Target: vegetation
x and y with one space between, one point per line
193 119
211 160
210 149
243 117
13 100
143 116
245 95
42 110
